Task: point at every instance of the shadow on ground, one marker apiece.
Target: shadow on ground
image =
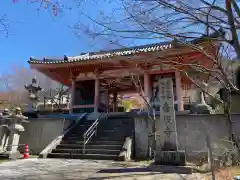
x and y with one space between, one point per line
150 168
129 176
141 172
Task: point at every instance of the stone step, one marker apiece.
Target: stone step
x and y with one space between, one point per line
81 127
86 121
78 133
90 146
97 138
120 117
109 133
87 151
93 142
115 128
82 156
110 130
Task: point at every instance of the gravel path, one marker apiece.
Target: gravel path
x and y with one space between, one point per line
62 169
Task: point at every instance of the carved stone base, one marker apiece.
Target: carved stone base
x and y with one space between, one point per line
170 158
10 155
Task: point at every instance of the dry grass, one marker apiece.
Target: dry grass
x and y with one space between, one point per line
226 173
2 161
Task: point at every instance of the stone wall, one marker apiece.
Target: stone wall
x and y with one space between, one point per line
191 130
40 132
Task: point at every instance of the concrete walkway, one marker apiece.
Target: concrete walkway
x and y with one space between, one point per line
61 169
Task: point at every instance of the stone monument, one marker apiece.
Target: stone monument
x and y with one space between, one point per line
12 126
33 90
167 152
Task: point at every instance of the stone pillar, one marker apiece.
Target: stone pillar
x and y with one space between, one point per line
13 142
73 88
13 125
147 86
167 145
179 91
96 95
4 134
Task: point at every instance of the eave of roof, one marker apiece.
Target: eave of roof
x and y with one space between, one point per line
105 54
121 52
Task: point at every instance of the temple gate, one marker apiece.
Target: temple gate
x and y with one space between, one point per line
97 78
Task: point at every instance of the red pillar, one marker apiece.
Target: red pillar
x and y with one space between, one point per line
96 95
72 96
147 87
107 100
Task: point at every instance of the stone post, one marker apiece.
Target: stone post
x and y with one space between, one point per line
167 144
4 129
4 134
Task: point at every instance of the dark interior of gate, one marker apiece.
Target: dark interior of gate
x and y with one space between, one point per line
113 91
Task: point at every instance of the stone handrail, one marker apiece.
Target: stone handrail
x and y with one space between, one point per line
58 139
125 153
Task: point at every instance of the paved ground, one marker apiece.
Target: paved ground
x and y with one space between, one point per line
55 169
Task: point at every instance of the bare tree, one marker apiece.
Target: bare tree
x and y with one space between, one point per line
54 6
14 82
182 22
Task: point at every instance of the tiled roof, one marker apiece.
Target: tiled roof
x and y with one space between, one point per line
123 52
105 54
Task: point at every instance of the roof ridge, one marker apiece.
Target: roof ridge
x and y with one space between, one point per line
154 47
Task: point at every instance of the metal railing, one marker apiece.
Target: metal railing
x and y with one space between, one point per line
92 130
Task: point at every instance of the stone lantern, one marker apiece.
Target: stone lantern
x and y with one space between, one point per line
33 90
11 126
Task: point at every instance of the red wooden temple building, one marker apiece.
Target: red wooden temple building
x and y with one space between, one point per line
96 76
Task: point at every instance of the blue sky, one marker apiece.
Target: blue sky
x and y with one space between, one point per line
37 34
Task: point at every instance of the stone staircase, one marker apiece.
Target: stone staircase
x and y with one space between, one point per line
105 145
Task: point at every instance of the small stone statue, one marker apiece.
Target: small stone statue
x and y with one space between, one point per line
33 90
201 107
